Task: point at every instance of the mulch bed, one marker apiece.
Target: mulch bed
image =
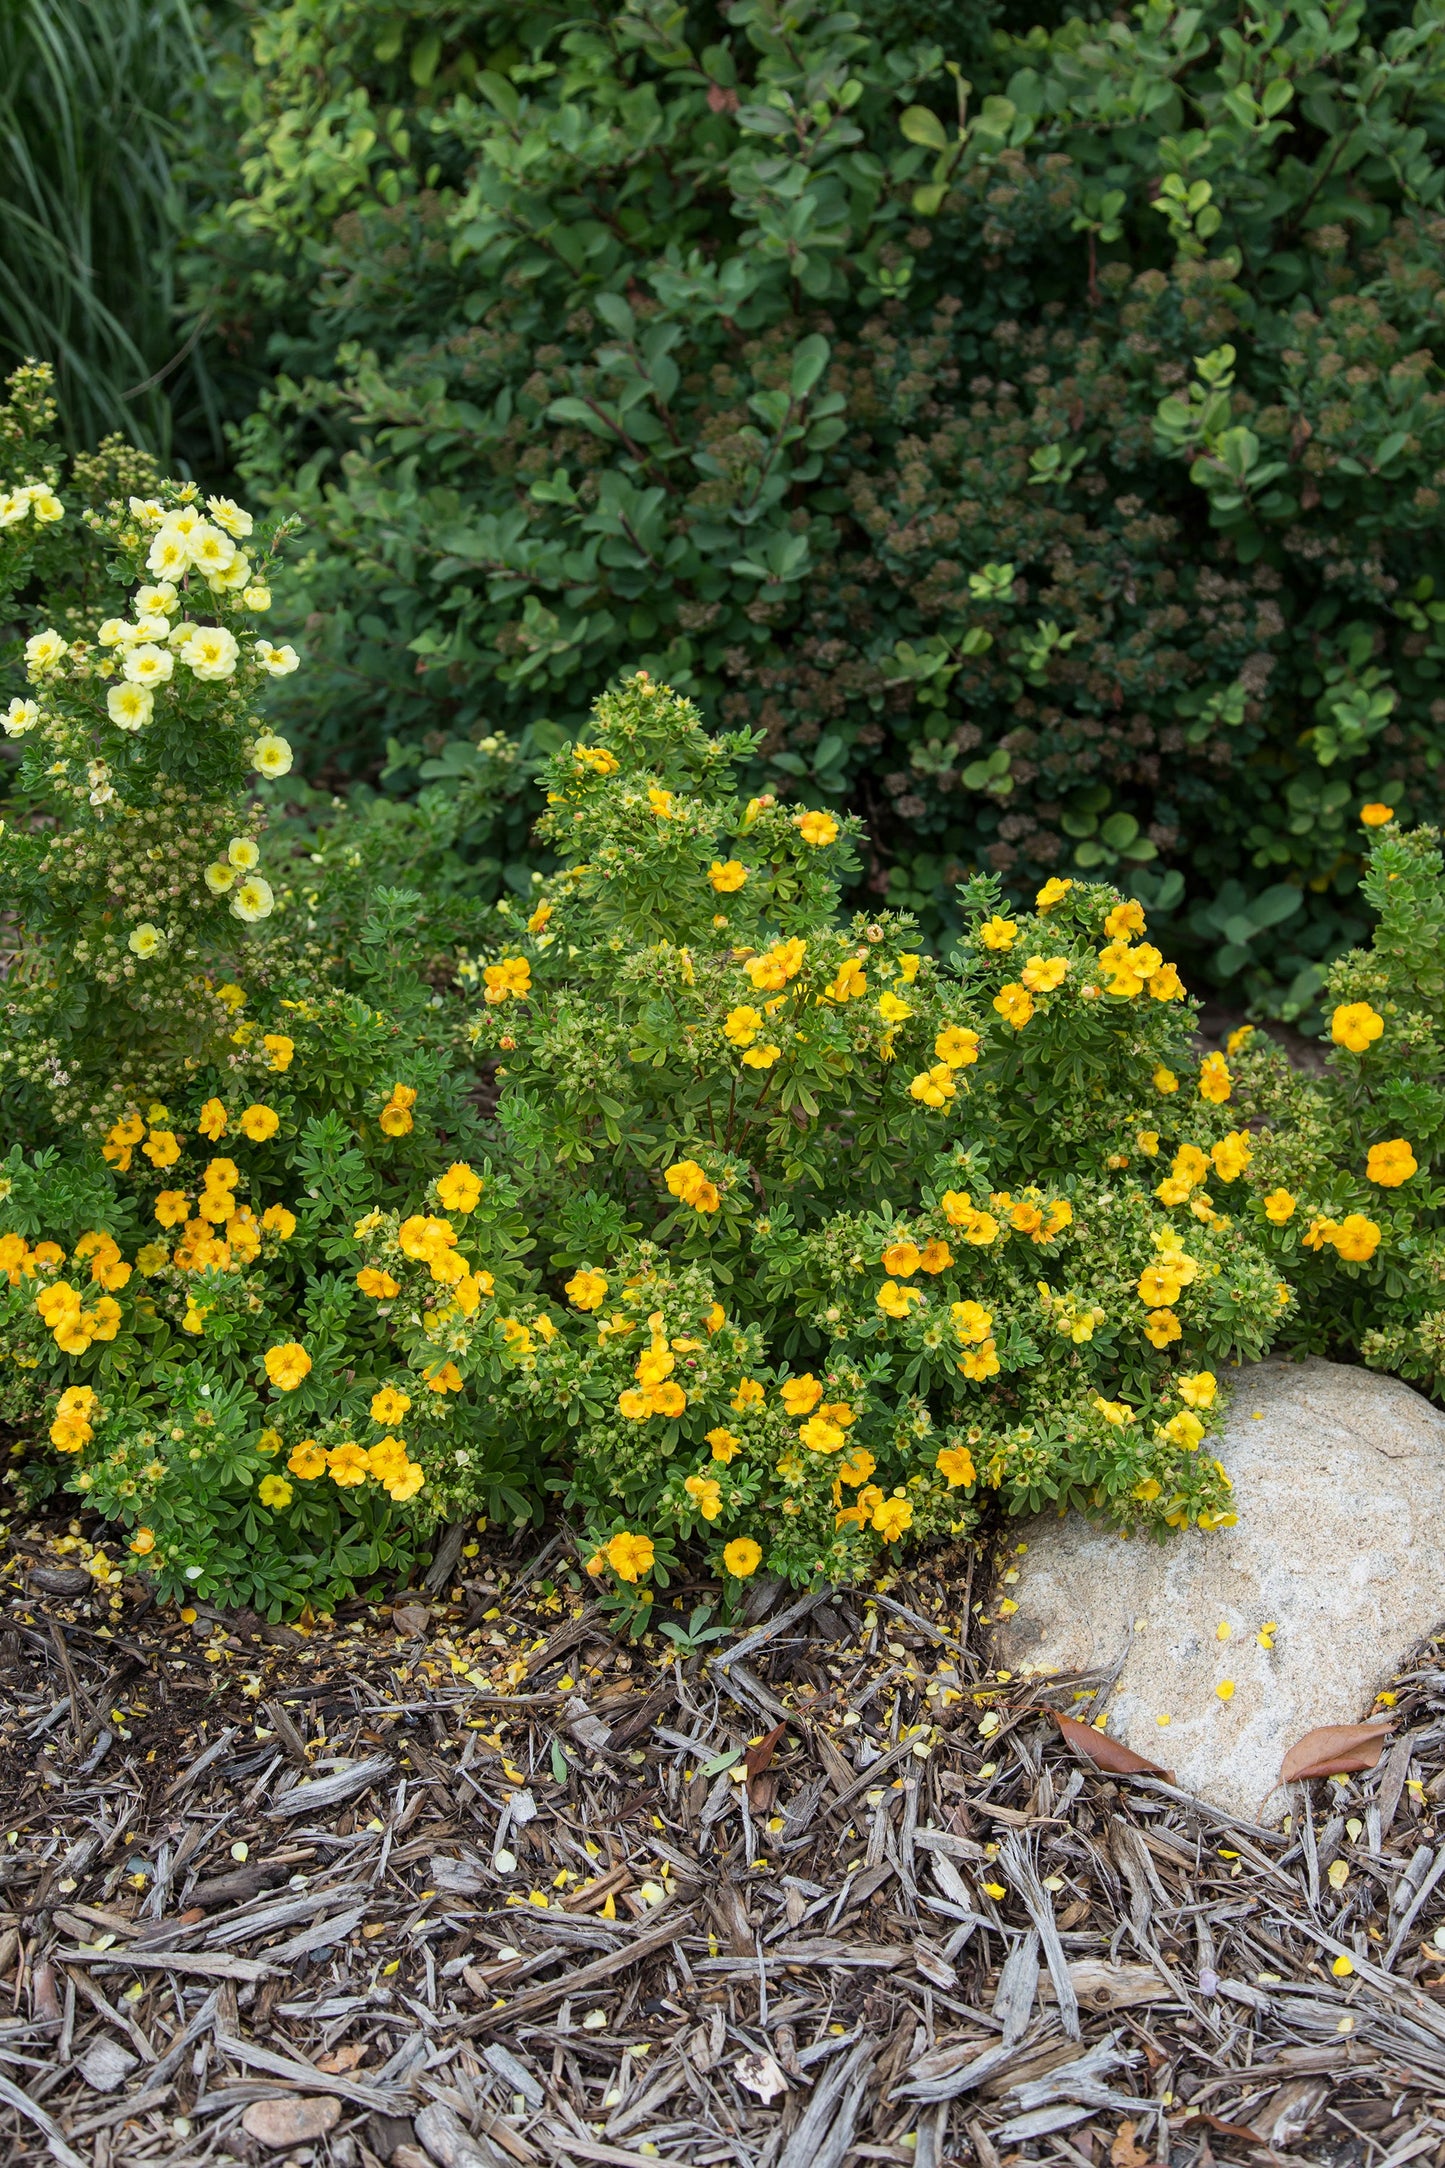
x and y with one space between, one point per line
469 1881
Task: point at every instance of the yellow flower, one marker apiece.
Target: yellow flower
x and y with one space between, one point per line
801 1395
460 1188
1162 1326
1166 984
742 1025
271 756
396 1116
742 1557
727 875
258 1123
981 1362
587 1290
1157 1287
816 828
660 802
895 1301
772 970
706 1493
957 1045
892 1010
934 1087
690 1185
1052 892
347 1465
1356 1238
404 1483
761 1057
280 1048
857 1468
998 932
1117 1413
1279 1206
142 1542
971 1321
725 1446
380 1285
1184 1429
274 1490
955 1462
849 981
1356 1025
1148 1143
446 1380
1375 815
1041 974
901 1258
821 1435
908 965
749 1394
388 1406
287 1365
1125 918
630 1556
507 980
891 1516
212 1123
1391 1163
307 1460
1015 1005
146 940
1165 1081
1231 1155
1215 1082
594 757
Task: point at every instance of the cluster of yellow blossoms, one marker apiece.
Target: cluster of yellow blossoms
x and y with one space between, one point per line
396 1118
690 1184
1127 971
511 979
72 1427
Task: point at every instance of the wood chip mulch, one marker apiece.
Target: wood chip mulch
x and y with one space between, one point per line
467 1880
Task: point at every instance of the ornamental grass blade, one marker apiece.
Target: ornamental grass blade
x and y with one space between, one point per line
1335 1750
1111 1754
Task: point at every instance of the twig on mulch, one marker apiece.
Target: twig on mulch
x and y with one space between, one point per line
466 1880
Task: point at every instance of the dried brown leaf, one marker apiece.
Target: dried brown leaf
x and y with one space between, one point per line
758 1757
1107 1753
1335 1750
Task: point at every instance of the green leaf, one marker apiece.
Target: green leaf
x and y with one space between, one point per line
921 126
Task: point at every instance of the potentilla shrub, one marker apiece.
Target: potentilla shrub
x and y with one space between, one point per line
1345 1194
1048 462
840 1244
201 1129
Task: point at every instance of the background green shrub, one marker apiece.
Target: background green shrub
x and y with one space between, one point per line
1036 435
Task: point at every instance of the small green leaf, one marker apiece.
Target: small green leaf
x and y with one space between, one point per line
925 128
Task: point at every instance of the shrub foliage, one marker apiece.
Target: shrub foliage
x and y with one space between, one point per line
1044 458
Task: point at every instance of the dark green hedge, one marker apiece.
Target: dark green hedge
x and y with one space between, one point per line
1039 441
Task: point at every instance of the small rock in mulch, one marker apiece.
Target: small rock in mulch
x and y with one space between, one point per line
1235 1643
298 2121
